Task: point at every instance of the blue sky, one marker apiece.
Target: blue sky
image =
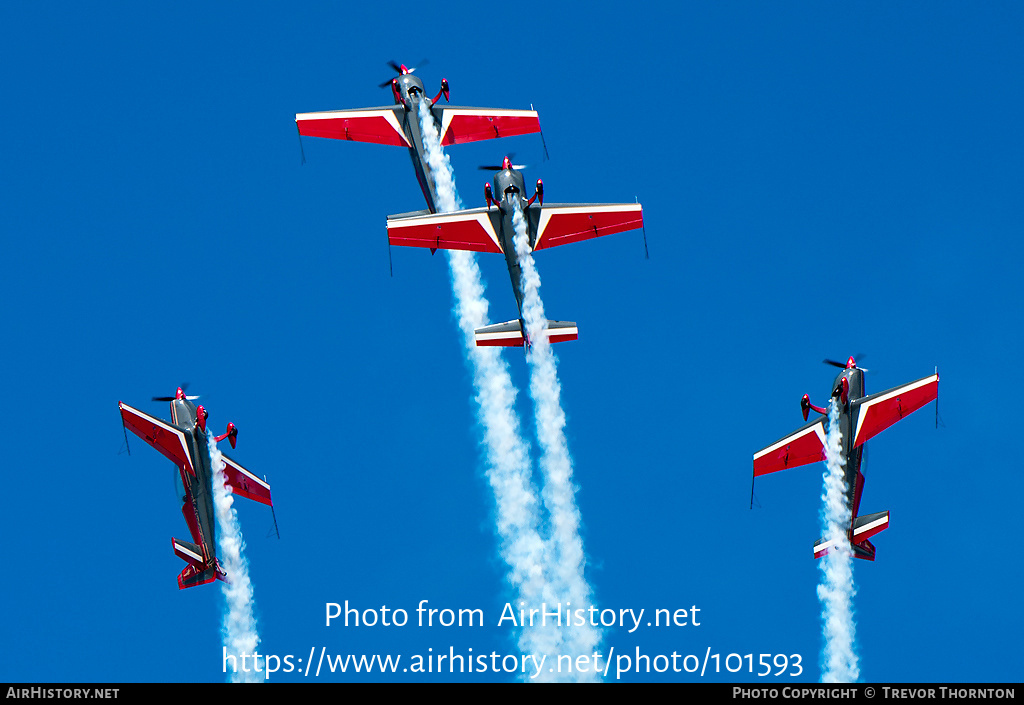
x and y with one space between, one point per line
817 181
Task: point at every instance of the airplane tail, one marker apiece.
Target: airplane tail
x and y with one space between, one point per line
192 576
510 334
864 527
196 572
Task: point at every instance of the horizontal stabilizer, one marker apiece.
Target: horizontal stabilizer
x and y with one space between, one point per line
863 528
188 552
864 550
193 575
823 546
510 334
868 525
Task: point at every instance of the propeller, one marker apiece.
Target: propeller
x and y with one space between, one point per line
401 70
506 164
844 365
179 395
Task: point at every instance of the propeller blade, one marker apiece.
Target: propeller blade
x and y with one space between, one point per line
184 388
842 365
397 68
511 156
419 64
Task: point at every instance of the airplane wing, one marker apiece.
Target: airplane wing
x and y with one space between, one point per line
561 223
377 125
475 230
459 125
244 483
877 412
167 438
805 445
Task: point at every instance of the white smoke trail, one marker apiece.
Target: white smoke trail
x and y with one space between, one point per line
568 557
508 458
440 165
836 589
238 629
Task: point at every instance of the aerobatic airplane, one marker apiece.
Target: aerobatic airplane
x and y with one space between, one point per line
399 124
490 229
183 441
860 418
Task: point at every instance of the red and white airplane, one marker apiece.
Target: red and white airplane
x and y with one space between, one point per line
860 418
399 124
183 441
492 229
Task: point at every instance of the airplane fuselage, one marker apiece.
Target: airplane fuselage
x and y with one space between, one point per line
185 441
198 507
851 455
409 93
860 417
509 186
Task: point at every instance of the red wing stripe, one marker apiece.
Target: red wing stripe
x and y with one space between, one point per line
452 231
141 424
377 126
804 446
562 225
244 483
460 125
878 414
252 478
